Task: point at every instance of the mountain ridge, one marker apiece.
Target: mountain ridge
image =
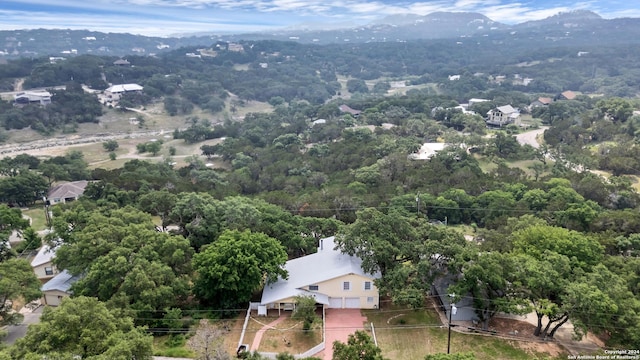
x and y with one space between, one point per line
393 28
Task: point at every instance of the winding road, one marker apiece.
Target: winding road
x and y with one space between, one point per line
530 137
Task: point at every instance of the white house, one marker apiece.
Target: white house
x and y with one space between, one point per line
58 288
42 263
334 279
40 97
503 115
114 92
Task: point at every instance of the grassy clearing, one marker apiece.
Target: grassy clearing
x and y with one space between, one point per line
171 346
411 334
38 219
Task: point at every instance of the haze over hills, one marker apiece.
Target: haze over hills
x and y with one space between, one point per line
577 27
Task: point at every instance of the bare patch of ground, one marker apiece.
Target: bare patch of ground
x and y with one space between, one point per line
523 330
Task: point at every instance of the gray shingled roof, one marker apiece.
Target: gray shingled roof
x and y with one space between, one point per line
68 190
312 269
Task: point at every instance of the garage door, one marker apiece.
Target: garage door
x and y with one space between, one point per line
352 303
335 303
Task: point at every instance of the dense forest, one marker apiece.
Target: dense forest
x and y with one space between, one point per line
553 236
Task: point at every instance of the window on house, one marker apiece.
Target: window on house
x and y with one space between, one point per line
370 299
367 285
48 271
346 285
313 287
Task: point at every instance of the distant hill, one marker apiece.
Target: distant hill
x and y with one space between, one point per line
575 27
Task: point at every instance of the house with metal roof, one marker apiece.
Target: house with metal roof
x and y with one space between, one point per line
58 288
42 263
334 279
66 192
114 92
503 115
38 97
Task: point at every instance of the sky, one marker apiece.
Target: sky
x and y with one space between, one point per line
169 17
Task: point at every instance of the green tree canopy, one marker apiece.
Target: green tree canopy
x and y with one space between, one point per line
124 260
85 328
237 264
17 282
359 346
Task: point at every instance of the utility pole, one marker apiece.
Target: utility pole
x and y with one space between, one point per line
418 204
452 310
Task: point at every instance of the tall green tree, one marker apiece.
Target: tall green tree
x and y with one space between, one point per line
487 278
17 282
408 252
125 261
83 328
237 264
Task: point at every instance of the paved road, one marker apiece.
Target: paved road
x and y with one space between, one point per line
529 137
15 332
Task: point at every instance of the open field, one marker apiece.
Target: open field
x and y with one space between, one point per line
412 334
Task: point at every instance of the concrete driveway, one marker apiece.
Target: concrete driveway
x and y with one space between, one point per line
15 332
339 324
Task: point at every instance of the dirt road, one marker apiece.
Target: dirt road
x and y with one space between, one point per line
38 146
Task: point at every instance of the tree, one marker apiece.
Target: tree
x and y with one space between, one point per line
486 277
17 282
10 220
158 203
85 328
381 240
305 309
544 281
124 259
616 109
110 145
357 86
409 252
539 240
359 346
23 189
208 342
235 265
31 240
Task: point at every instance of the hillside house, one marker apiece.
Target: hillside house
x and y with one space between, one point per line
40 97
121 62
114 92
567 95
541 101
503 115
66 192
334 279
42 263
58 288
